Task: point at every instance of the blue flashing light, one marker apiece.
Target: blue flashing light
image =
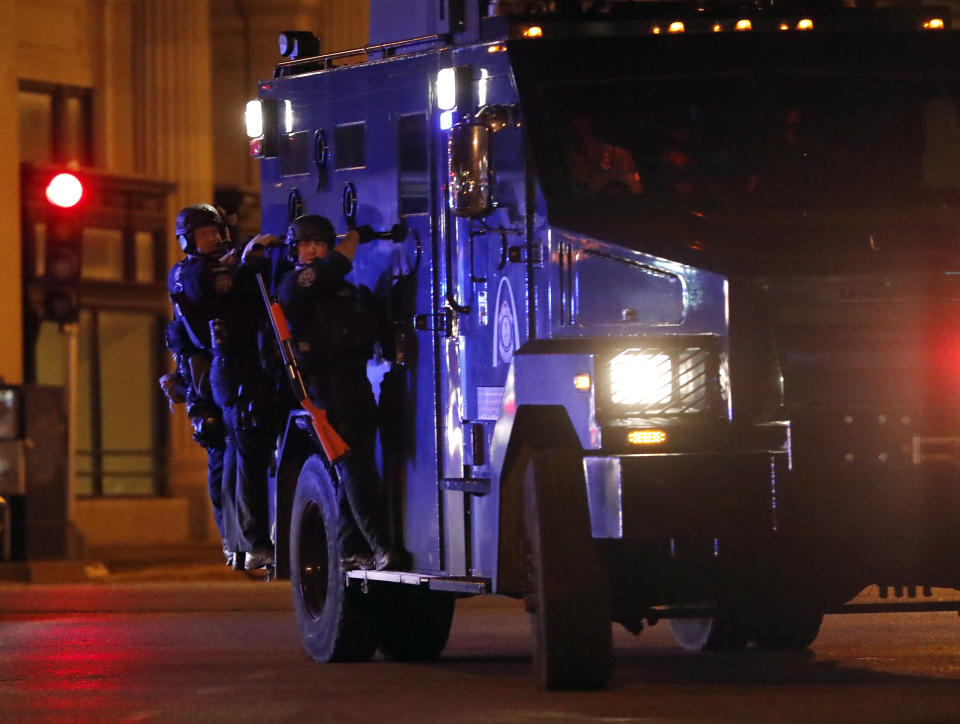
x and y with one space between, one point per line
446 120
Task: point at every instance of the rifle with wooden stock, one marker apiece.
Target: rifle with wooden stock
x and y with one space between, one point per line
334 446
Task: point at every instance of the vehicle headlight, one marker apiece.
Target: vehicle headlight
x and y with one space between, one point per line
254 119
662 381
640 378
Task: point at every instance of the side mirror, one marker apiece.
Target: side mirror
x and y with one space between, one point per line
468 151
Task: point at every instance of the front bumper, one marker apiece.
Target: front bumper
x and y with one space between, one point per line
682 495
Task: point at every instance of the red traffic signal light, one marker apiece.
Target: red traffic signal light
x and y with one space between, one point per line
64 190
63 247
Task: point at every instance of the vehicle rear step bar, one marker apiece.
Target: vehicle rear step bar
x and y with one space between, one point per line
463 585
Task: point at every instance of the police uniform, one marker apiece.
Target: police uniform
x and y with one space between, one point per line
225 304
229 299
334 330
205 417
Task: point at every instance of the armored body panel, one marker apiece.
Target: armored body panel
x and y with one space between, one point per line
696 267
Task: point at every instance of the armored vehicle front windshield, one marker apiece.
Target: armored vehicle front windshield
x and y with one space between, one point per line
774 144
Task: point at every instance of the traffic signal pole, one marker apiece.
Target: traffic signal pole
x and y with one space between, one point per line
71 336
63 270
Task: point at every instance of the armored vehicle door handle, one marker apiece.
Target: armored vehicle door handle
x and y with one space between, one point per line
396 233
443 321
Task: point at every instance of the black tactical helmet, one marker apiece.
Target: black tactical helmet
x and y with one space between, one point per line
310 227
194 217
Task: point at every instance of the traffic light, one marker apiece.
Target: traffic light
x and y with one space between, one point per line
64 247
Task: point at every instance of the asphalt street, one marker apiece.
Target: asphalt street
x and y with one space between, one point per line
139 648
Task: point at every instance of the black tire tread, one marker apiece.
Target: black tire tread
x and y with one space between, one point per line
413 623
343 631
571 600
719 633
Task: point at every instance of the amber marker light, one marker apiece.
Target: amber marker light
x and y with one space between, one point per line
676 27
744 25
717 27
934 24
582 382
534 31
784 26
655 30
496 48
805 24
646 437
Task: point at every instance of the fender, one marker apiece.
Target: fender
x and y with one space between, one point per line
533 417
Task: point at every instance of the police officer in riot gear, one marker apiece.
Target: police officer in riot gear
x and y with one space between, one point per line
334 331
226 314
190 381
189 384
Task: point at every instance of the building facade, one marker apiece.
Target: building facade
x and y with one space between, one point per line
145 99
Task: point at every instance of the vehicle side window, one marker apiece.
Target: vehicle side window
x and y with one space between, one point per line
348 146
295 154
412 165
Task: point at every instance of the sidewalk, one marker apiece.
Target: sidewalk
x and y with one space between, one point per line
183 562
186 562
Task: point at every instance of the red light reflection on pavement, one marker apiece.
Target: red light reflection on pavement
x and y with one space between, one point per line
75 667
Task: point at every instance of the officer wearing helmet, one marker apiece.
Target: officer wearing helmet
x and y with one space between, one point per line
334 331
189 383
224 315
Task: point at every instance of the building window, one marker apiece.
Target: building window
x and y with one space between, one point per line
55 123
121 425
119 415
119 255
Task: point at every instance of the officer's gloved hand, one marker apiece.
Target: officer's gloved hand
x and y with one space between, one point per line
397 233
367 233
173 388
251 248
256 245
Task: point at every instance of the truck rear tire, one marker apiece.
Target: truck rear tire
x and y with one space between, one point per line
412 623
334 619
571 599
784 628
717 633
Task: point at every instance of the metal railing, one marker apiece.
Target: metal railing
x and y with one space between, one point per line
325 61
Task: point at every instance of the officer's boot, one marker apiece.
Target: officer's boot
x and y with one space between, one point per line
363 496
355 554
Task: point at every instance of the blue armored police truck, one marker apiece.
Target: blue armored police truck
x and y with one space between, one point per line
673 331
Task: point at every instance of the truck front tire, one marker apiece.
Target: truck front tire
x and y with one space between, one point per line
334 619
570 596
784 627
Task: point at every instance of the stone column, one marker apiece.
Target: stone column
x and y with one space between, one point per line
11 311
172 131
172 95
113 53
